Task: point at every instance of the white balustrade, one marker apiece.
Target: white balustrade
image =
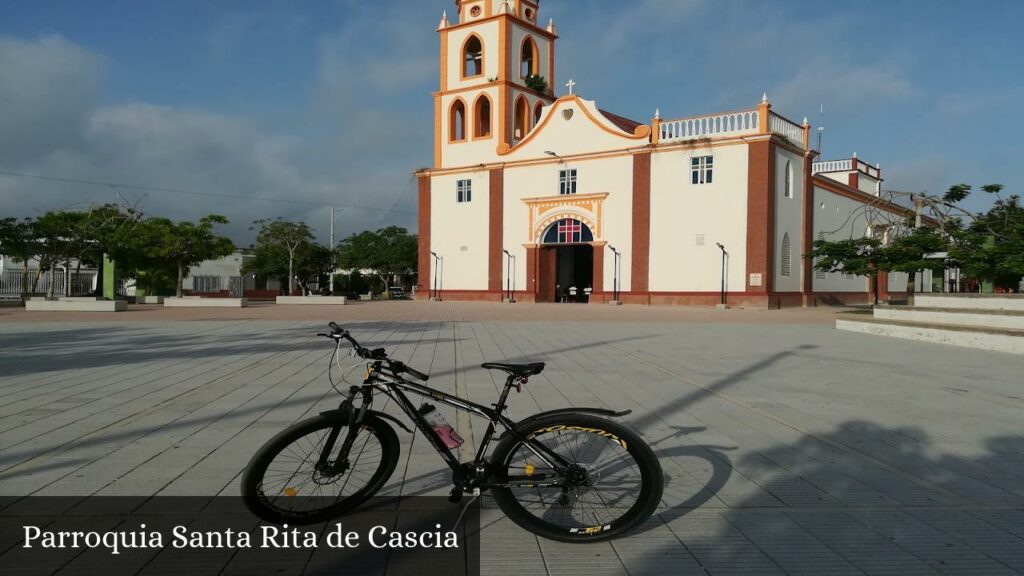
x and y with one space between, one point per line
729 124
832 166
789 130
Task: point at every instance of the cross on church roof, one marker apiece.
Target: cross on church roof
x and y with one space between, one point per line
571 85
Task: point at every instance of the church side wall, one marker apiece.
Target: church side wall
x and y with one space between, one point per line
788 218
459 231
682 213
838 218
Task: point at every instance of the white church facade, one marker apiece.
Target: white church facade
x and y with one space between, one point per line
558 193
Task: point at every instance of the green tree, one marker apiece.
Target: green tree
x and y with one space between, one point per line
17 239
278 245
869 256
183 244
53 244
314 263
991 245
856 256
388 253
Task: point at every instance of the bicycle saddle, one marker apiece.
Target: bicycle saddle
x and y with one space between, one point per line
517 369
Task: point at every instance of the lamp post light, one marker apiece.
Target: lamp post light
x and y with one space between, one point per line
509 288
438 271
725 255
615 276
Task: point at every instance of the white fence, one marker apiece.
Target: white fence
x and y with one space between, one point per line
742 123
788 129
832 166
732 123
12 282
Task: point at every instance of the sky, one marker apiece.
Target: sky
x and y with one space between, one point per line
273 108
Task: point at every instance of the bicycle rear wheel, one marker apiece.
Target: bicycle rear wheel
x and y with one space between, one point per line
284 484
613 484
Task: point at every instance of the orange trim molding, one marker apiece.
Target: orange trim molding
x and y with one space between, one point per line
462 58
642 132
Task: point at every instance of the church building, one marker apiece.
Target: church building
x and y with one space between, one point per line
567 200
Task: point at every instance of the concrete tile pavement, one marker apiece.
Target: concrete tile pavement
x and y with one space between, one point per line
788 447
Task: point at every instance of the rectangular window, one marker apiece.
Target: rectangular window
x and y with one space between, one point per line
464 191
702 169
567 181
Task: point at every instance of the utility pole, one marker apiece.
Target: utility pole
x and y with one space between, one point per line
332 252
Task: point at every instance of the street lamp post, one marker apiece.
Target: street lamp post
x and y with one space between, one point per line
615 274
508 278
725 256
438 270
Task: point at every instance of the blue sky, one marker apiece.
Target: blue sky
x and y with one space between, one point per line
329 101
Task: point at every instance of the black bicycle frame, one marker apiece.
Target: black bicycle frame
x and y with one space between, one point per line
395 387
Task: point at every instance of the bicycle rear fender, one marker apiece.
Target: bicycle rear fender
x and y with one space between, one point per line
563 411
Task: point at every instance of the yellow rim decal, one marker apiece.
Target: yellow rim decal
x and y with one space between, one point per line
597 431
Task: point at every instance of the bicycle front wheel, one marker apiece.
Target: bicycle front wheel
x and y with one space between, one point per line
284 482
612 484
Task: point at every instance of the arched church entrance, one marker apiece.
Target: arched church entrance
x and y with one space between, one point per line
566 262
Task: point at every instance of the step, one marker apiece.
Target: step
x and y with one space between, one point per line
1003 319
992 339
971 301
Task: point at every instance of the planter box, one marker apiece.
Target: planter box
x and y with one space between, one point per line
193 302
91 305
313 300
149 300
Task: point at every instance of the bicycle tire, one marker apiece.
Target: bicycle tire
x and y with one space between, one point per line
253 478
651 478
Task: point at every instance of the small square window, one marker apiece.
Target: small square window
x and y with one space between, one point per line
702 170
567 181
464 191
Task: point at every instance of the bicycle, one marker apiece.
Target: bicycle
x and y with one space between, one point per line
570 475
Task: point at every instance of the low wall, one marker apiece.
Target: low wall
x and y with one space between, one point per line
91 305
149 300
312 300
205 302
1013 302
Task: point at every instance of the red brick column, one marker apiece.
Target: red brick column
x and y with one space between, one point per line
808 229
641 249
424 287
496 222
761 217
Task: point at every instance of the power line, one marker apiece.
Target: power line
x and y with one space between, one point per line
115 185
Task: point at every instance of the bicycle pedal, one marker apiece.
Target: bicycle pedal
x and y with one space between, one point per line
455 496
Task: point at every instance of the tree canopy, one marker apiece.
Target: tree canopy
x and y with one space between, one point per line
388 252
280 245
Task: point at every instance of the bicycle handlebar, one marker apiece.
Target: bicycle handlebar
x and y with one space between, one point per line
397 367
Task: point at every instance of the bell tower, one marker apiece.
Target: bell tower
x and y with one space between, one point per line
497 73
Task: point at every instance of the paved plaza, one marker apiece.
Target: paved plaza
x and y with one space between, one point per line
788 447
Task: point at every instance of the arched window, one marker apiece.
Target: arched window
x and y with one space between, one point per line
568 231
786 257
538 111
528 66
522 119
789 179
482 117
457 122
473 57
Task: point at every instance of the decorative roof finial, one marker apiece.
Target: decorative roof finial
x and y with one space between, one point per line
657 113
551 26
444 21
806 123
764 98
571 85
854 154
505 8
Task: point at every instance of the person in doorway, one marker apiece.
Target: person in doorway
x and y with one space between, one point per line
573 294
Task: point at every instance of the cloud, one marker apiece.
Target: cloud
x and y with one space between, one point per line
47 89
841 85
56 124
